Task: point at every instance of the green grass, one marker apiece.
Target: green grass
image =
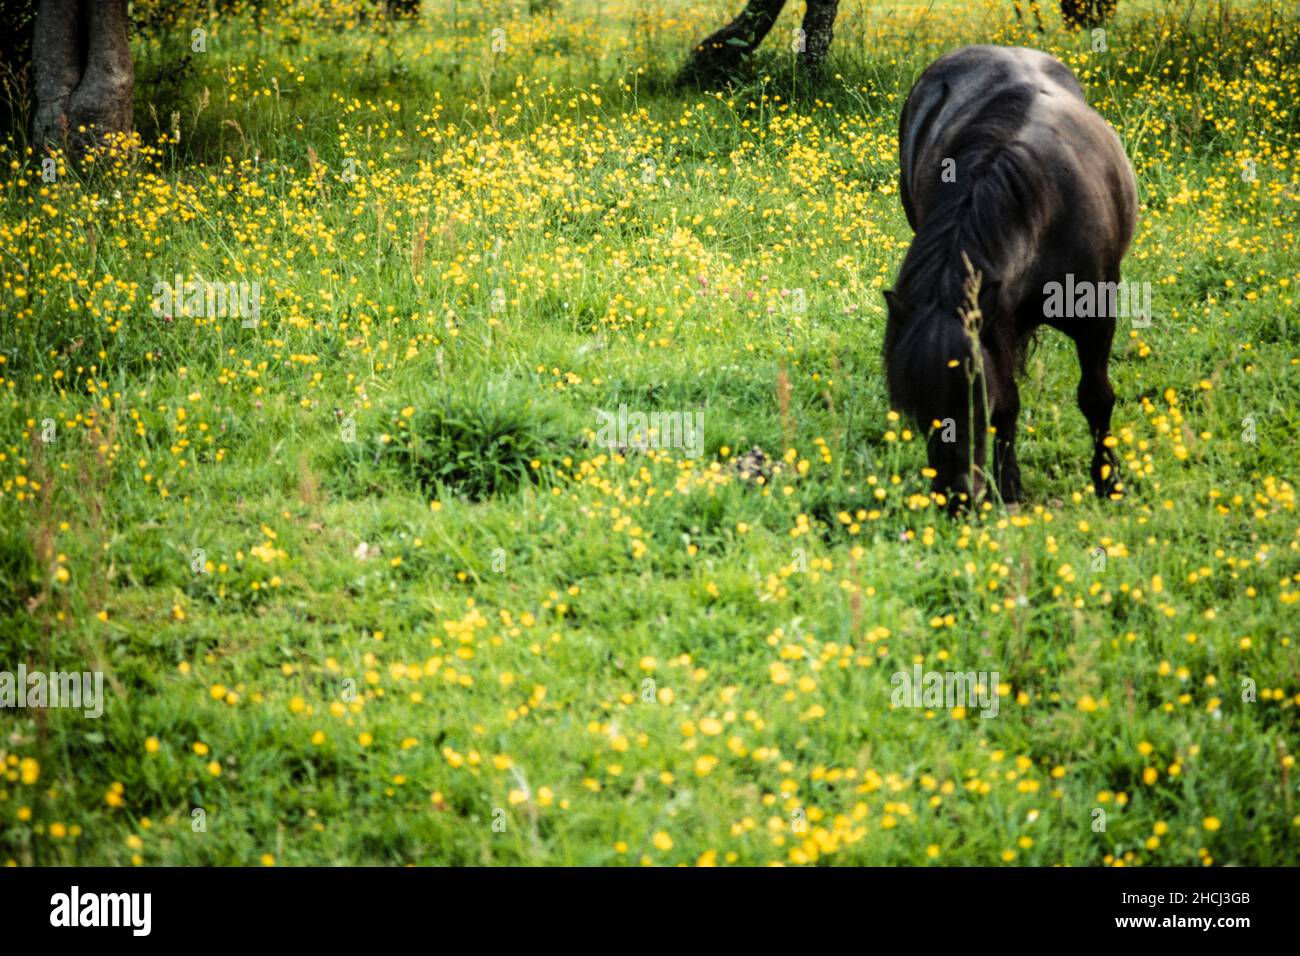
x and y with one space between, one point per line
435 623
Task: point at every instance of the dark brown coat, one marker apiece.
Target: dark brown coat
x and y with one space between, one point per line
1001 160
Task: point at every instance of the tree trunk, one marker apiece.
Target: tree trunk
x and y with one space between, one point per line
718 54
1087 13
818 24
82 71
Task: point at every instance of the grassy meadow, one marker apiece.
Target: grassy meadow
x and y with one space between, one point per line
368 586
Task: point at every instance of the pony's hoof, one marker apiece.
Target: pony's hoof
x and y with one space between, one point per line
1109 488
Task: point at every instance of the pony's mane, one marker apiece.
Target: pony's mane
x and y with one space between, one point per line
986 213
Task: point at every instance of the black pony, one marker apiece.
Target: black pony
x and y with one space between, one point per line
1013 186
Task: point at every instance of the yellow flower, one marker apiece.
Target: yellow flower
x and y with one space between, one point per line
1211 823
663 841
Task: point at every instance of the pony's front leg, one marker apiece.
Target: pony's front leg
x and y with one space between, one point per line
957 462
1005 395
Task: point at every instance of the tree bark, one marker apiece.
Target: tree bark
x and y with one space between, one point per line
717 55
818 24
82 72
1087 13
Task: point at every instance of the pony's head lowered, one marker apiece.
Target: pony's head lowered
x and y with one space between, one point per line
939 373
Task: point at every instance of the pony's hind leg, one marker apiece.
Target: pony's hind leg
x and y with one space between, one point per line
1097 400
